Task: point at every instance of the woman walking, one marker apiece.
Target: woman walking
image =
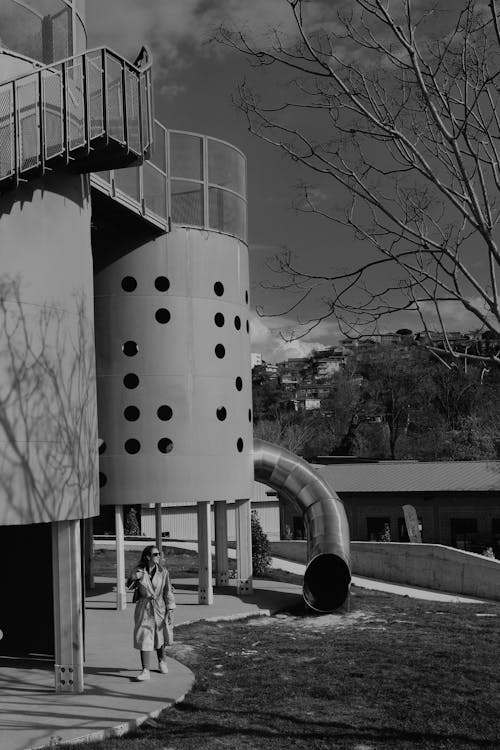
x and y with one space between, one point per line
153 617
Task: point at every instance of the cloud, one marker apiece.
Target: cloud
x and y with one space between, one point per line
276 343
178 30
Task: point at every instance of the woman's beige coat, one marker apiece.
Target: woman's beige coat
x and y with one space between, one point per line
153 617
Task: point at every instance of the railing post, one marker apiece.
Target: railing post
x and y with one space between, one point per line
124 106
41 126
16 132
86 108
150 107
104 96
65 110
139 93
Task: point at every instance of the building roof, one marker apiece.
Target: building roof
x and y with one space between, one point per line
413 476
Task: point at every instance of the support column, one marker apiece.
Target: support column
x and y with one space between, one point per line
68 606
121 594
221 557
159 538
88 535
243 546
205 588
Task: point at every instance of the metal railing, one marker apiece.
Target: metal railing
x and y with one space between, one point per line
92 111
189 180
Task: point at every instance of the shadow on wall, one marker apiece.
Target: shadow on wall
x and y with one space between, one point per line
48 417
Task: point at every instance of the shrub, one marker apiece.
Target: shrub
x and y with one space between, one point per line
261 549
131 523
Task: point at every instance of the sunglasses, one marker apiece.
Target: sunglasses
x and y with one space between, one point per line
155 554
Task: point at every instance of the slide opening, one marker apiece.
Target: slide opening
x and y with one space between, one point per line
326 583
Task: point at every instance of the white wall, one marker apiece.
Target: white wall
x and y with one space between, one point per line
181 521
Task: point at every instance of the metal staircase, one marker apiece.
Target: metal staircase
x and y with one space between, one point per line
88 113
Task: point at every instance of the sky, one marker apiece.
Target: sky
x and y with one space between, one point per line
194 81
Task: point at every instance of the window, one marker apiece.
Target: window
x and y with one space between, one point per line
377 527
464 533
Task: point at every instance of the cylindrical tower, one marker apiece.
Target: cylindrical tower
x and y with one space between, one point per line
48 417
172 335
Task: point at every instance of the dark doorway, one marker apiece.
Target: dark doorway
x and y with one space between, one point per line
464 533
495 536
27 615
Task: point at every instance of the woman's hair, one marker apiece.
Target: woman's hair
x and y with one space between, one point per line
145 556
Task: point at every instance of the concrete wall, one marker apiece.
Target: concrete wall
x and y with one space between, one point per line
427 565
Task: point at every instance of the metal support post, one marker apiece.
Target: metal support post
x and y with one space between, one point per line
221 556
158 528
243 546
68 606
121 595
205 587
88 526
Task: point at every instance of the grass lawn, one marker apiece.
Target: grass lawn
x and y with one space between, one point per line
180 563
393 673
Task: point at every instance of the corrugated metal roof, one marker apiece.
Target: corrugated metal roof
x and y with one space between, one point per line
402 476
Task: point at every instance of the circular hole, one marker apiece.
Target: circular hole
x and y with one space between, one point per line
248 327
102 479
221 413
165 445
132 413
220 351
219 288
238 383
237 322
130 348
129 284
102 446
162 315
249 415
164 413
162 283
219 320
132 446
246 297
239 445
130 380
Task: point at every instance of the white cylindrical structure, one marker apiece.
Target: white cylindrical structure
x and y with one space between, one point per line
48 426
173 356
172 331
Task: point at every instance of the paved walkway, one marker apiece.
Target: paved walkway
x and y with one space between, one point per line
33 716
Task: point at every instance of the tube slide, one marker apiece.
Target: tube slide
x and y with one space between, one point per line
328 573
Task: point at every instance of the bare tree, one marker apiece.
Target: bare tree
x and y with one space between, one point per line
285 430
397 104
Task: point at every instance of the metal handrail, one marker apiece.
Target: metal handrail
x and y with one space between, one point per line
163 215
75 103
